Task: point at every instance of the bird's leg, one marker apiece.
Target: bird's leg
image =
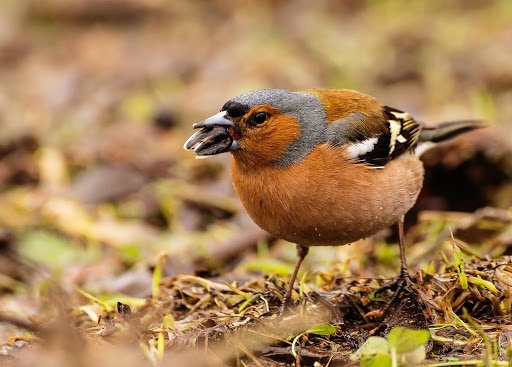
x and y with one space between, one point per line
404 271
402 283
302 251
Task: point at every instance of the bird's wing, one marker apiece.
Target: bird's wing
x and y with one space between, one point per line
375 140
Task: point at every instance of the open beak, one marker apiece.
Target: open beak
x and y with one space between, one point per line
215 136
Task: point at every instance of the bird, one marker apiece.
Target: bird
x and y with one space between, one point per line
322 167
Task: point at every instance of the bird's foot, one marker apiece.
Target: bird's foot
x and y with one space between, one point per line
401 286
285 307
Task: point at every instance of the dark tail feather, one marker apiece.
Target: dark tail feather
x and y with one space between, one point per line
448 130
430 136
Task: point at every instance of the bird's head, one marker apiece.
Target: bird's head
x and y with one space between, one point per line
269 126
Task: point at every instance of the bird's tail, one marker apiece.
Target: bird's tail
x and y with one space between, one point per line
430 136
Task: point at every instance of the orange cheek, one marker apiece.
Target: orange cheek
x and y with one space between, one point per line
269 142
283 131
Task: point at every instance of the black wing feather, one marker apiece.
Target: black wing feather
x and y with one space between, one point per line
392 135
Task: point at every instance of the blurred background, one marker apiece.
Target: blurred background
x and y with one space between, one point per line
98 96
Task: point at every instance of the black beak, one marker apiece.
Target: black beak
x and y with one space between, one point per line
214 136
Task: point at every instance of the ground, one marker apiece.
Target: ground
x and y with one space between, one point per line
116 246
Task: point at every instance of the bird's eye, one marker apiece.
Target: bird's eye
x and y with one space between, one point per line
260 118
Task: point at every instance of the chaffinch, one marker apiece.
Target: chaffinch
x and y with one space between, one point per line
322 166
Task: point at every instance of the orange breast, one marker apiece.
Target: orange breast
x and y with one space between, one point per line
327 200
